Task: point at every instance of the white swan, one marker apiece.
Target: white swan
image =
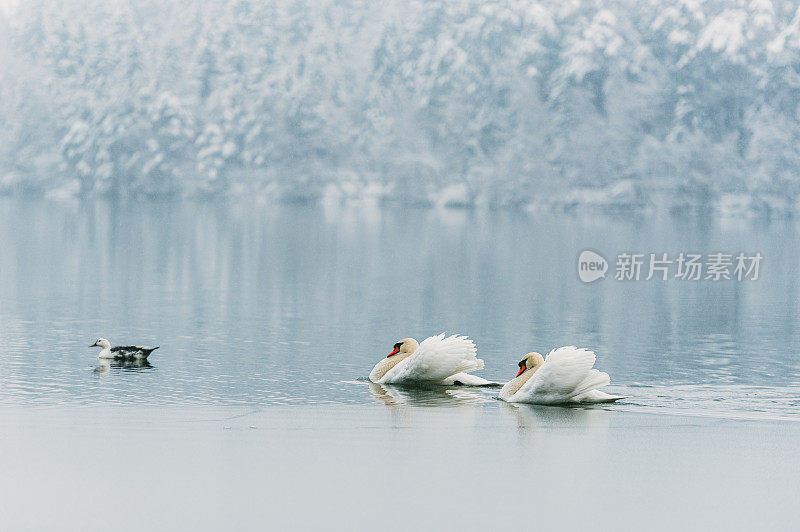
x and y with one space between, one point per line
565 376
437 360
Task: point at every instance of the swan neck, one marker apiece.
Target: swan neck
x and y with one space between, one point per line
516 383
383 367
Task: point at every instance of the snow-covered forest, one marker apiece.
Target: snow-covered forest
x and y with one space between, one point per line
551 103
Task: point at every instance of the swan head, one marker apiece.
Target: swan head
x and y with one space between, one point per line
406 345
101 342
530 361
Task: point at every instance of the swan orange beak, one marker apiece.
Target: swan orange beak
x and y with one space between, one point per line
521 370
93 345
396 350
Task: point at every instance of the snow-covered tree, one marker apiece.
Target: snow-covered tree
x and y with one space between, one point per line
428 101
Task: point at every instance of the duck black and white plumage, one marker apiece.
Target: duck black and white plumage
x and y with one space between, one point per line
122 352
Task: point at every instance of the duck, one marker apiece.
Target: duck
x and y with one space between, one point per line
437 360
566 376
122 352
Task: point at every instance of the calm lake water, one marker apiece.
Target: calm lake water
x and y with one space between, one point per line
256 411
259 305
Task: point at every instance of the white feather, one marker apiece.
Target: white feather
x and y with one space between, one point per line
436 359
467 379
566 376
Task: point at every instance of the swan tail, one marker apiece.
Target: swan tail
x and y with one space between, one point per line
594 380
465 379
596 396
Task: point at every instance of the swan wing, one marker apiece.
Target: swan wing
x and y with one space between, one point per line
466 379
566 373
436 359
596 396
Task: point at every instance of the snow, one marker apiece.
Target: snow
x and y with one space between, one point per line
725 32
580 103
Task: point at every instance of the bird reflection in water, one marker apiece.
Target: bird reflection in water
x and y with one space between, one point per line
538 416
107 365
426 395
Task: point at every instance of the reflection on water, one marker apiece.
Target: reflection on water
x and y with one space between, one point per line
540 416
428 395
107 365
280 305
